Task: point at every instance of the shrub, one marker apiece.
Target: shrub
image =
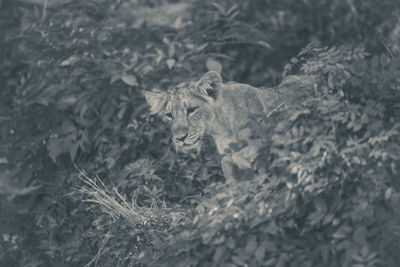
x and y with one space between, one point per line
329 195
72 94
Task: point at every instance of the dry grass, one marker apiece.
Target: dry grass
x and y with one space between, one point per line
155 220
118 207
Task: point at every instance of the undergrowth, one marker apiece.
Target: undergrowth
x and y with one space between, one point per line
73 75
329 195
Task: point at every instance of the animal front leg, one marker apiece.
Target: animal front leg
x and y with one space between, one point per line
228 168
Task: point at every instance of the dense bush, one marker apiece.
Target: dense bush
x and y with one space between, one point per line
330 196
74 77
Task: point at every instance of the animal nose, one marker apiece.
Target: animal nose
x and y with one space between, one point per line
181 137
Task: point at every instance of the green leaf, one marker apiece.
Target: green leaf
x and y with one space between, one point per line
281 126
230 243
342 232
241 161
170 63
270 262
296 114
231 10
67 100
54 148
201 47
260 253
364 252
360 235
238 260
129 80
220 8
218 254
372 256
251 244
171 50
69 61
388 193
207 236
67 127
265 44
358 258
272 228
114 78
103 36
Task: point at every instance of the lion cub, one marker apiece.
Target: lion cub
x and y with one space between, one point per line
228 112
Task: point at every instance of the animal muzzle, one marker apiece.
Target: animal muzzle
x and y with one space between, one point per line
187 144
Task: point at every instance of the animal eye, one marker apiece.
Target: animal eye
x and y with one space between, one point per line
168 115
191 110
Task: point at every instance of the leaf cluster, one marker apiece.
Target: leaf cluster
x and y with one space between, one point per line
73 77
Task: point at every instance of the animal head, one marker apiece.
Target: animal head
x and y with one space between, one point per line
188 108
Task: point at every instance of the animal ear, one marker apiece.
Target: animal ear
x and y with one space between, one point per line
209 84
157 101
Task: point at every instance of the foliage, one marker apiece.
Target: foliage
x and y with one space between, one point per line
330 196
74 76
